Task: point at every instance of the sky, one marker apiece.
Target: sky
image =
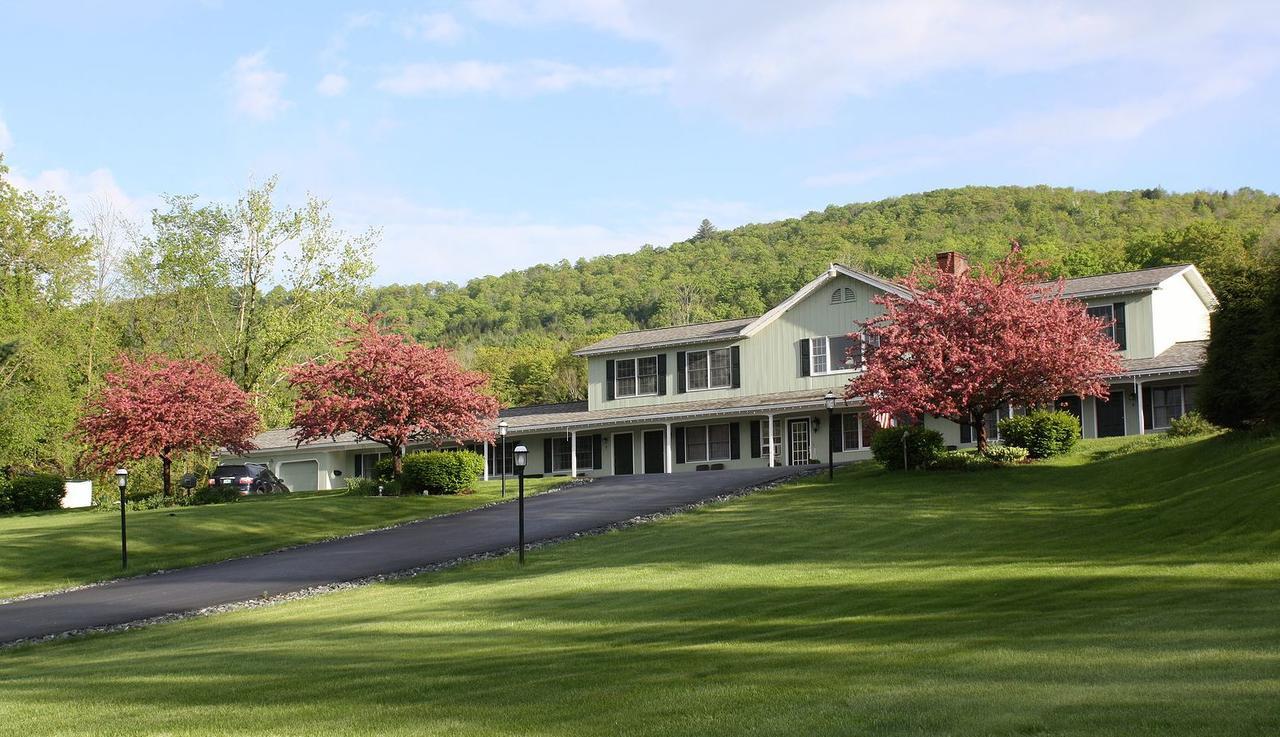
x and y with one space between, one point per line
490 135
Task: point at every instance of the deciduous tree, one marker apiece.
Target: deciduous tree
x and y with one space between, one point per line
964 345
158 407
392 391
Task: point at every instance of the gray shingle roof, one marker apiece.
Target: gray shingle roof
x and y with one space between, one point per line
1177 357
676 335
1124 281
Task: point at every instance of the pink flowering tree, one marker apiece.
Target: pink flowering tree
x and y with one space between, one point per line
964 345
391 391
158 407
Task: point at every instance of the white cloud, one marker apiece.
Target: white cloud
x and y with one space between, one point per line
522 78
332 85
6 140
256 87
81 191
437 27
795 63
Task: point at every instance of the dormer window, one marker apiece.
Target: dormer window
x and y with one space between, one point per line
833 354
1114 314
636 377
842 295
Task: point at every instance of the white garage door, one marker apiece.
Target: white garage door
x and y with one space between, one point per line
300 475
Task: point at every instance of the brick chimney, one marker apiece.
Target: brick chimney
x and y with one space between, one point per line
952 262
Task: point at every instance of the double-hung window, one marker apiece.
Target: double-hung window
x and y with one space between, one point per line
855 431
775 440
1168 403
561 454
636 377
707 443
835 353
709 369
1113 314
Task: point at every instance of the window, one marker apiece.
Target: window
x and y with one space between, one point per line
707 443
500 462
1113 314
1168 403
561 454
835 353
366 463
635 377
855 431
776 440
710 369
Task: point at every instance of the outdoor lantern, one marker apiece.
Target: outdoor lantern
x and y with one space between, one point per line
521 454
831 401
502 457
122 478
502 428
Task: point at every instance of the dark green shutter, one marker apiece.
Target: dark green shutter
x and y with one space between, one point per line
546 455
679 445
680 387
804 356
608 379
755 438
735 438
662 374
736 363
1119 331
597 457
1147 421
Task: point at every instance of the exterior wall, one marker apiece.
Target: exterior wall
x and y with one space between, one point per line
770 360
327 461
1180 314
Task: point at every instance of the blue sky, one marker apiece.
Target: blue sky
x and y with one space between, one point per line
495 134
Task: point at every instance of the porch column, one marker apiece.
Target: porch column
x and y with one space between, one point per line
1142 421
573 453
486 460
769 434
666 451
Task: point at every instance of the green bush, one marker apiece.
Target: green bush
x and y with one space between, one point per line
959 460
923 445
385 469
357 486
6 496
441 472
1005 453
1042 433
37 493
220 494
1192 423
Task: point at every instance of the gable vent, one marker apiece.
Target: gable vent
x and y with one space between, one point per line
843 294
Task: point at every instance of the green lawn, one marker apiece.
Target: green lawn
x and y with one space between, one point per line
1104 594
40 552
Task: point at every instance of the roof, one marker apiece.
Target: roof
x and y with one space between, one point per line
741 327
1119 282
1179 357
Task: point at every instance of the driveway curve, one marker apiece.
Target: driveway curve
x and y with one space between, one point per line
428 542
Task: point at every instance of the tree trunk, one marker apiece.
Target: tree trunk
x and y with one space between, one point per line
397 462
167 473
980 429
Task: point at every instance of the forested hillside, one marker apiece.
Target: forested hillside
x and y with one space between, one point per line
257 286
549 309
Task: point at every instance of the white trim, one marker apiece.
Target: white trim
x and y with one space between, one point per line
667 465
772 455
764 320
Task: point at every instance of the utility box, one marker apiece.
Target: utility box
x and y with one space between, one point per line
78 494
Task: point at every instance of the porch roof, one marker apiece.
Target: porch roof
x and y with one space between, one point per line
1178 358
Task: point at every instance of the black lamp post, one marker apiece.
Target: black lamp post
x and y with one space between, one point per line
830 399
122 480
521 454
502 458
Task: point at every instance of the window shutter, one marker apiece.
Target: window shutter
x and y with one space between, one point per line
680 388
966 432
608 379
1146 407
597 457
1118 314
755 438
662 374
680 443
735 360
735 439
804 356
546 455
358 459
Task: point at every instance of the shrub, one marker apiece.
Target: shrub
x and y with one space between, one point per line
1192 423
1005 453
923 445
385 469
357 486
219 494
441 472
6 496
1042 433
958 460
37 493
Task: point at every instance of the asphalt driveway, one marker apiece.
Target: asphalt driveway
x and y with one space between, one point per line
431 541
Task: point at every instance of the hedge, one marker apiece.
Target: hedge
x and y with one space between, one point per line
1041 432
441 472
923 446
37 493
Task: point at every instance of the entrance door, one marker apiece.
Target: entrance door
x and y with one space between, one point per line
653 451
1110 415
623 463
798 434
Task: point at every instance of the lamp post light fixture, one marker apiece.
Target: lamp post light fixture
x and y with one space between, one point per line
502 458
122 480
521 454
830 399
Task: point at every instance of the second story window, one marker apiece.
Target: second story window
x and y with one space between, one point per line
710 369
1114 314
636 377
832 354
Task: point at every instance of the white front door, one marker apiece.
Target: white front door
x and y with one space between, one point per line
798 432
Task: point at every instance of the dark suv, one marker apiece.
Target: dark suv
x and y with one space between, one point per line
248 478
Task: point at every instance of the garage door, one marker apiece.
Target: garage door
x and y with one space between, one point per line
300 475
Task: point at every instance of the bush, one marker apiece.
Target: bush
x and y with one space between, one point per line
441 472
6 496
959 460
1005 453
385 469
36 493
923 445
1042 433
357 486
1192 423
219 494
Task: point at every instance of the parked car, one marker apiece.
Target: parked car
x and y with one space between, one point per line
248 478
